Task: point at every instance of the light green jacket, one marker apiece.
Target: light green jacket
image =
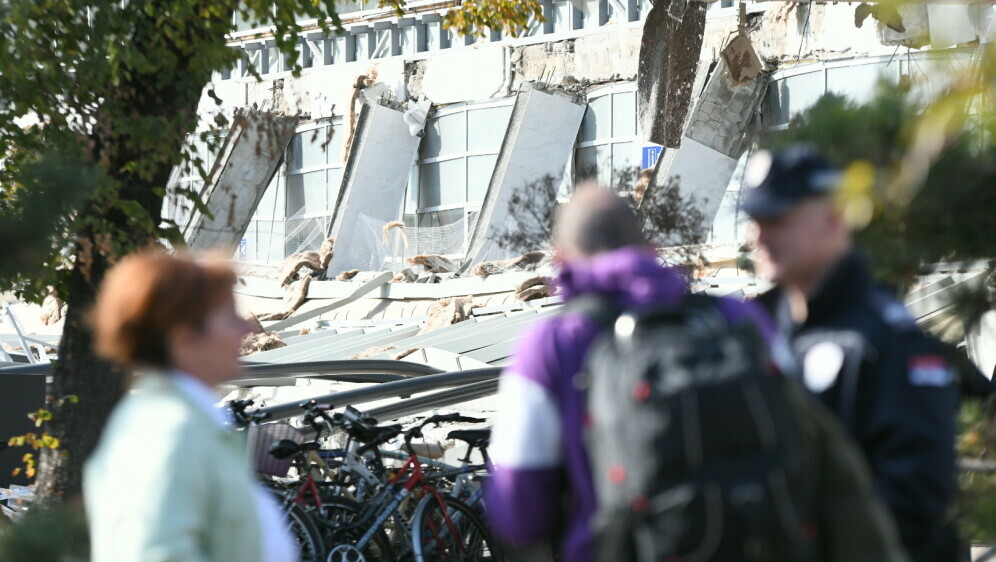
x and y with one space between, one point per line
168 484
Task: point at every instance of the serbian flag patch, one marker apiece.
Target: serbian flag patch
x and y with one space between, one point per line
929 370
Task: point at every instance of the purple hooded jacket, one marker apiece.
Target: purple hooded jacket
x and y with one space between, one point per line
542 487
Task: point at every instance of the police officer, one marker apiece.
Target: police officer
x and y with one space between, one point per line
856 346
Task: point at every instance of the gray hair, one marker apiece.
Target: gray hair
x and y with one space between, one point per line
596 220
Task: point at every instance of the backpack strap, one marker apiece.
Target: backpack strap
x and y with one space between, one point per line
597 308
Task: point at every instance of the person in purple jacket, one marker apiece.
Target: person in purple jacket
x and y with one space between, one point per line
542 487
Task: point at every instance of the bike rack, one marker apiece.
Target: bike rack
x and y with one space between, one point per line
400 389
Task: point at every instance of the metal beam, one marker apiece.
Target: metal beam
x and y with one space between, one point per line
442 399
306 369
400 389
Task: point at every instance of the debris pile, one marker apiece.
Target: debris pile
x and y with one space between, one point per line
525 261
535 288
447 312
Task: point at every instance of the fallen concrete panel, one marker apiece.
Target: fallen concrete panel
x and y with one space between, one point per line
538 143
717 134
249 158
668 59
375 178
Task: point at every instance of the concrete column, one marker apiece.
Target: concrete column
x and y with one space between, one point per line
538 143
249 158
714 139
375 177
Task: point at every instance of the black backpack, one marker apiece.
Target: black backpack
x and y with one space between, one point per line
694 450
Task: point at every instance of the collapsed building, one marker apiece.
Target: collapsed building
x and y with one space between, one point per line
367 199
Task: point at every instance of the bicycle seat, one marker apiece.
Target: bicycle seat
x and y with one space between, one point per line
373 433
473 437
284 449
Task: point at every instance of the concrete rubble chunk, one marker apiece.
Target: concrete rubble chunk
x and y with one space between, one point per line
325 253
447 312
428 279
433 263
371 351
53 310
290 267
254 323
535 288
255 343
347 275
406 276
380 350
405 353
488 268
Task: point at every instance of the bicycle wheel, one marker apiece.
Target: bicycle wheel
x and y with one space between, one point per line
451 532
339 511
305 532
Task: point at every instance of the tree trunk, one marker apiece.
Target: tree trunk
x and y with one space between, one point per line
147 93
79 372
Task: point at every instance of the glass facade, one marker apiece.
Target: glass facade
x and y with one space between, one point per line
456 159
608 142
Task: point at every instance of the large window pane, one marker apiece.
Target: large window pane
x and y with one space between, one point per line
858 82
623 164
306 149
362 46
444 135
315 201
334 148
295 194
486 127
624 114
273 58
433 39
306 193
479 170
452 181
802 92
452 133
603 158
408 41
428 185
585 163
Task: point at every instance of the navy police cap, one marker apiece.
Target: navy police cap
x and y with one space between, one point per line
778 181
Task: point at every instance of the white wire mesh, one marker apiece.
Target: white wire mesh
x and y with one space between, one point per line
301 234
369 247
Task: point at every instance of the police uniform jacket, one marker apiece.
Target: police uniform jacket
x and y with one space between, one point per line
892 387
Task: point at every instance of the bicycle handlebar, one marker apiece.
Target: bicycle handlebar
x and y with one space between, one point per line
238 410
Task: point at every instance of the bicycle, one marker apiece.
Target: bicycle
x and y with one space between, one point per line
441 524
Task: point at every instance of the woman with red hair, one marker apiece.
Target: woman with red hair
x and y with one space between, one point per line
169 480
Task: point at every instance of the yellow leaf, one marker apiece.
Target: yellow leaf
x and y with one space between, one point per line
30 472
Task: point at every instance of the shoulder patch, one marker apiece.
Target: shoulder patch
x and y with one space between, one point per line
929 370
892 311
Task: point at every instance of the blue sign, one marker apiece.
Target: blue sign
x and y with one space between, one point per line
243 249
651 154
